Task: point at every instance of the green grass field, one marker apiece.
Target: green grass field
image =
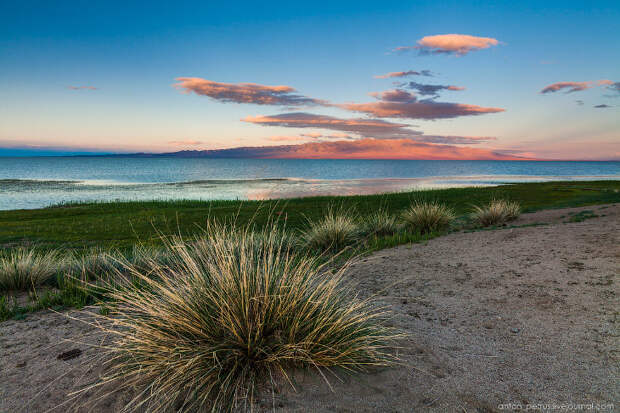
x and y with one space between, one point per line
122 224
80 230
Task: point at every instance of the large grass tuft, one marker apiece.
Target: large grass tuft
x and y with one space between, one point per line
336 230
497 212
229 312
427 217
24 269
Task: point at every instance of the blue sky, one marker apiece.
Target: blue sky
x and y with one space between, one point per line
132 53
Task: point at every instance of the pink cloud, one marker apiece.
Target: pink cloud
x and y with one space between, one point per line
571 86
81 87
284 138
311 136
456 140
359 127
401 104
245 92
405 74
579 86
394 95
458 44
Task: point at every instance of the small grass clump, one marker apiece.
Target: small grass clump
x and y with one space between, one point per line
582 216
7 309
333 232
24 269
232 311
427 217
96 263
380 223
497 212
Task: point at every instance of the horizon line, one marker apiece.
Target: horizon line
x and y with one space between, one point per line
88 154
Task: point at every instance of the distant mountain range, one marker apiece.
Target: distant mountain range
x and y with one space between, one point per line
356 149
241 152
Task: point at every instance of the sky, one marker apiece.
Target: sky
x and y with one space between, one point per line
406 80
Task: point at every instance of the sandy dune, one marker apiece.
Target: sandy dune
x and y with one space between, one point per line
524 315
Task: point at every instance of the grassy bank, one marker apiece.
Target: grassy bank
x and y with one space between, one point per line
225 305
123 224
91 241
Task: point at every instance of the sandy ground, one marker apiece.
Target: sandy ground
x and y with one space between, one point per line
525 315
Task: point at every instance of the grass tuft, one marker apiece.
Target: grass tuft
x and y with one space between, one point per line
427 217
497 212
229 312
380 223
336 230
23 269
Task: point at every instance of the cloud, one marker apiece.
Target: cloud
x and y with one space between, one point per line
313 135
424 109
394 95
579 86
360 149
457 44
245 92
335 135
188 142
280 138
361 127
81 87
614 87
455 140
602 106
405 74
310 136
571 86
427 90
402 104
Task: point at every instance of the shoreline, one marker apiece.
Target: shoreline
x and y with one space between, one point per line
125 223
53 192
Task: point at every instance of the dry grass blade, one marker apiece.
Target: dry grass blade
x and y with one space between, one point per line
230 310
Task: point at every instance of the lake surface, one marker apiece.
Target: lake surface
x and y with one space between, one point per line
42 181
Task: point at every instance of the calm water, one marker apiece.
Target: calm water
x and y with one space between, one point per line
42 181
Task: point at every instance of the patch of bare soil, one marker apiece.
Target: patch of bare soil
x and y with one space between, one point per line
525 315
